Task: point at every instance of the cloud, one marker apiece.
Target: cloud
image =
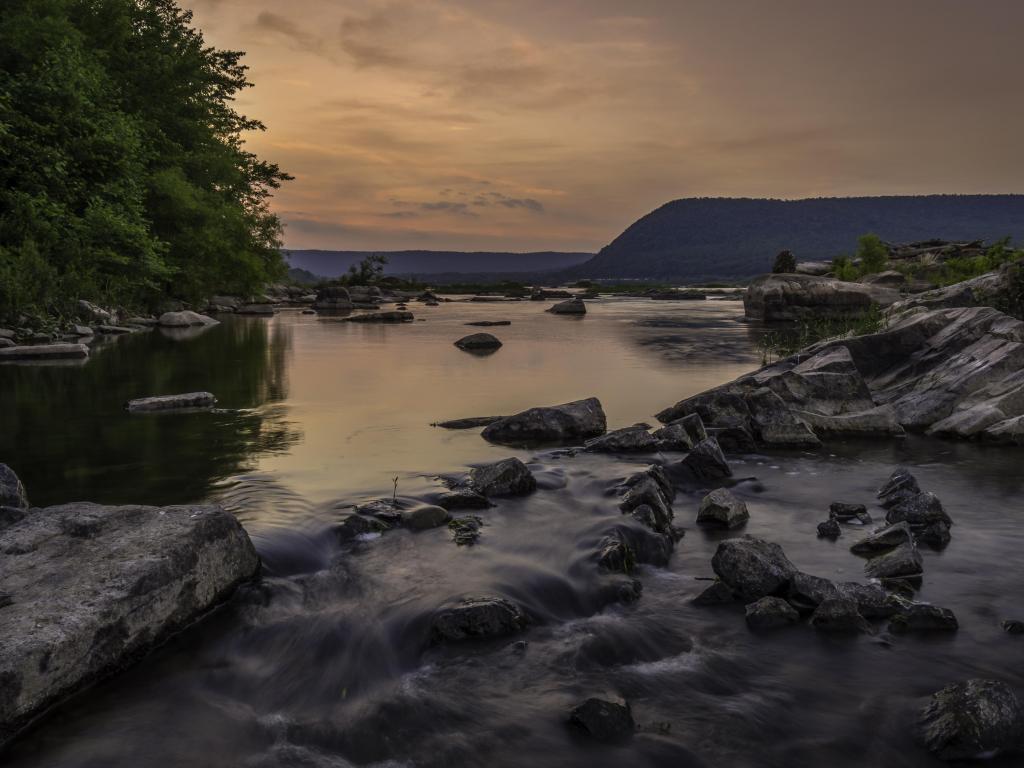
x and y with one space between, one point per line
362 38
272 22
447 206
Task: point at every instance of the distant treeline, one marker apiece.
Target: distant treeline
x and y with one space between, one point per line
730 238
123 177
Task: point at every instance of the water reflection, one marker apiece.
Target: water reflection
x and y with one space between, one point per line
66 433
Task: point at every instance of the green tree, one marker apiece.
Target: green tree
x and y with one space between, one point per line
785 263
368 271
873 254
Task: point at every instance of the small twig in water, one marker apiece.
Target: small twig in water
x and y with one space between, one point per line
394 496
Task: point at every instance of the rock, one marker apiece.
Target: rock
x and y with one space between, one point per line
93 313
847 513
918 511
770 613
690 294
616 556
81 330
184 319
333 298
628 439
256 309
648 496
605 721
490 323
1013 627
463 498
478 341
718 593
554 424
626 545
12 492
838 614
883 540
465 530
887 279
682 434
171 402
829 529
508 477
806 593
753 568
7 333
356 525
774 424
468 423
721 508
902 561
115 330
381 317
795 297
44 352
901 485
922 617
95 587
971 720
734 439
6 343
425 516
816 268
570 307
706 461
477 618
935 535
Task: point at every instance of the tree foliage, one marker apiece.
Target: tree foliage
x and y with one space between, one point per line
123 172
785 263
872 253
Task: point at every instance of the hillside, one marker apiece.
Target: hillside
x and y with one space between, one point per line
711 238
335 263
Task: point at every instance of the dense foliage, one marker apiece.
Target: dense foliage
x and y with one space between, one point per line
123 175
700 239
785 263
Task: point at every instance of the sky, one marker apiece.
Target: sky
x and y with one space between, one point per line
524 125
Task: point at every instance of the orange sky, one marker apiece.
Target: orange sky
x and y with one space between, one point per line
553 124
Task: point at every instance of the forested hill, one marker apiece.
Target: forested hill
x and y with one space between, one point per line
707 238
335 263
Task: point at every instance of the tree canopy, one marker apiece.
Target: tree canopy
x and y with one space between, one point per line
123 172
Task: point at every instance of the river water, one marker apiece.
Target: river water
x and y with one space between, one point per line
327 663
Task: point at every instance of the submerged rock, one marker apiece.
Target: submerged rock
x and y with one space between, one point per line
971 720
478 618
478 341
356 525
752 567
706 461
1012 626
490 323
381 317
171 402
721 508
922 617
463 498
770 613
564 423
425 516
93 587
604 721
839 614
508 477
846 513
468 423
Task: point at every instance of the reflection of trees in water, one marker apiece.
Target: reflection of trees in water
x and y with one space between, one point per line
65 431
696 337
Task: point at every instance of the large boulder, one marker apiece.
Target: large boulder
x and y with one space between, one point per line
91 588
971 720
570 422
794 297
184 319
573 306
752 567
508 477
477 618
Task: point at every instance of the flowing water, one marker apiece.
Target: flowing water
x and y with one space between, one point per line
327 662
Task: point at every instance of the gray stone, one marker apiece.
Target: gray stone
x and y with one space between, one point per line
478 341
718 593
775 424
847 513
477 618
425 516
569 422
900 485
829 529
508 477
256 309
333 298
752 567
706 461
6 343
902 561
807 592
184 319
171 402
356 525
470 422
1012 626
721 508
604 721
971 720
381 317
463 498
839 615
44 352
770 613
94 587
918 511
570 307
12 492
883 540
795 297
922 617
628 439
465 530
490 323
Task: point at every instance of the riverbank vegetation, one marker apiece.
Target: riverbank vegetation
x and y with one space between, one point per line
124 178
779 343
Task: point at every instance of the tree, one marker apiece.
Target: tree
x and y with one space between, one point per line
368 271
873 254
785 263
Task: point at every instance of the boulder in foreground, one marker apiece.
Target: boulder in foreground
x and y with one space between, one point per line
171 402
565 423
478 618
971 720
752 567
92 587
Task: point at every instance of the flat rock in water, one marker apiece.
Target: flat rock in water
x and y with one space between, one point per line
478 618
564 423
44 352
721 508
847 513
171 402
92 587
256 309
184 319
468 423
604 721
381 317
752 567
490 323
478 341
971 720
508 477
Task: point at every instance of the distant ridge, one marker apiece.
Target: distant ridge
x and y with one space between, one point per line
335 263
698 239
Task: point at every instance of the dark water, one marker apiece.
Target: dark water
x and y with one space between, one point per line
328 664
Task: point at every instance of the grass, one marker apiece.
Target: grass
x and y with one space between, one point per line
776 345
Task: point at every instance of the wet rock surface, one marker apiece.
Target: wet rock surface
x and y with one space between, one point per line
971 720
792 297
508 477
476 618
569 422
603 721
752 567
171 402
839 615
478 341
770 613
722 509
